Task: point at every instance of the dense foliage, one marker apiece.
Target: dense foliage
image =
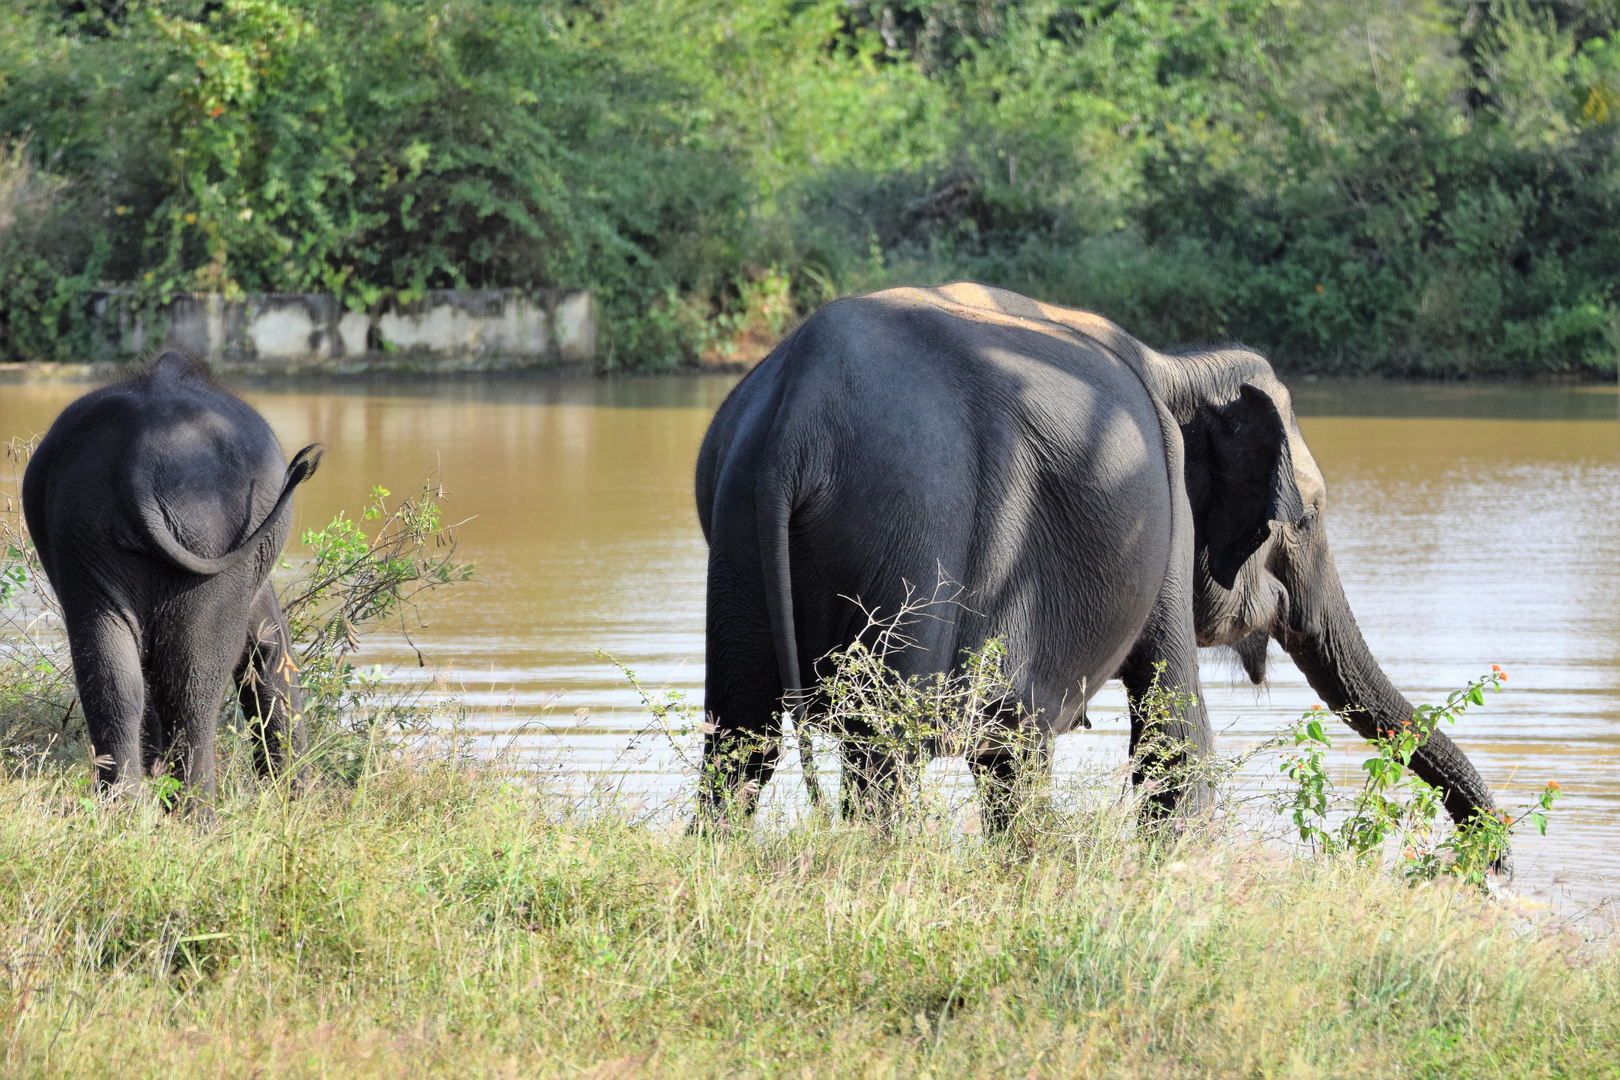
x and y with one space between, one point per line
1399 185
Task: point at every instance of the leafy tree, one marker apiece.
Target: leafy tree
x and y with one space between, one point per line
1402 185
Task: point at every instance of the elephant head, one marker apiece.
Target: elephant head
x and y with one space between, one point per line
1264 568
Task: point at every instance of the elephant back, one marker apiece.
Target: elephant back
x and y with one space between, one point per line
168 436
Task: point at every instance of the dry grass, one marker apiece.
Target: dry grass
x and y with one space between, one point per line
444 919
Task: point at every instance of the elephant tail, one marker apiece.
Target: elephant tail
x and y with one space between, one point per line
163 541
776 512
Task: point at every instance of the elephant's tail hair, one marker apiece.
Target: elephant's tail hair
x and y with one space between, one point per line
163 541
776 512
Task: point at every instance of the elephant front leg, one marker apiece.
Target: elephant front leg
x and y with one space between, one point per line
268 689
1170 733
870 785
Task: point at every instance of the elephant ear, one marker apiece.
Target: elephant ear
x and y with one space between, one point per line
1250 480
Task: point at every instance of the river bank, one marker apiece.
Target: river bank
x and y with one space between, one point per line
47 371
1353 187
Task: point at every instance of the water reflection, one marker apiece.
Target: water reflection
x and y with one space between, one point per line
1472 525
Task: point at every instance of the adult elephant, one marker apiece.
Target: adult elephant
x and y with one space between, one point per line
1105 508
159 506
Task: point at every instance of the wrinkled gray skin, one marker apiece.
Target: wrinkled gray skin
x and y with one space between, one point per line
1105 507
159 506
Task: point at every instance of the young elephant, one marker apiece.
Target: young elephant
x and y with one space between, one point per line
159 505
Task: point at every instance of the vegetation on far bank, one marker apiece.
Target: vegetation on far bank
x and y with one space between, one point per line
1402 186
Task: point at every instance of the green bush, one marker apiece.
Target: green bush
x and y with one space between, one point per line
369 150
353 585
1394 808
1407 186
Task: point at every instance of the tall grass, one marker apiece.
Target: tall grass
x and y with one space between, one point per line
457 919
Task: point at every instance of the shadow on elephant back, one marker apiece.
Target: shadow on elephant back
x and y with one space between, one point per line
159 505
1105 508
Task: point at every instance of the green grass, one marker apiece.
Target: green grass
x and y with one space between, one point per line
452 919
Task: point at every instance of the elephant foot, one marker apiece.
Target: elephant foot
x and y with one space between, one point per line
711 826
720 815
202 815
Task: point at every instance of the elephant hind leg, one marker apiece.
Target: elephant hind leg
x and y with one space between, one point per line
268 690
1005 775
112 691
188 669
870 788
742 695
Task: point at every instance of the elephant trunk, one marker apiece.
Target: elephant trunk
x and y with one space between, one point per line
1337 663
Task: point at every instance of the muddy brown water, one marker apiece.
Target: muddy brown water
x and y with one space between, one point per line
1472 525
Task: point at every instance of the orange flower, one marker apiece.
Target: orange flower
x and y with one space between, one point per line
1500 674
1555 785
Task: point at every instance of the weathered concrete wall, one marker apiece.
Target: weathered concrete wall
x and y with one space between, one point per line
447 330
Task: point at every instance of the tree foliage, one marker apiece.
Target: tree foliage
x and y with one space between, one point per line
1399 185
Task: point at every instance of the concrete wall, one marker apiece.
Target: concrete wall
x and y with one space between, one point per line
447 330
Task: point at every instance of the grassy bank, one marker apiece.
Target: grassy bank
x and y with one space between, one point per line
439 919
418 913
